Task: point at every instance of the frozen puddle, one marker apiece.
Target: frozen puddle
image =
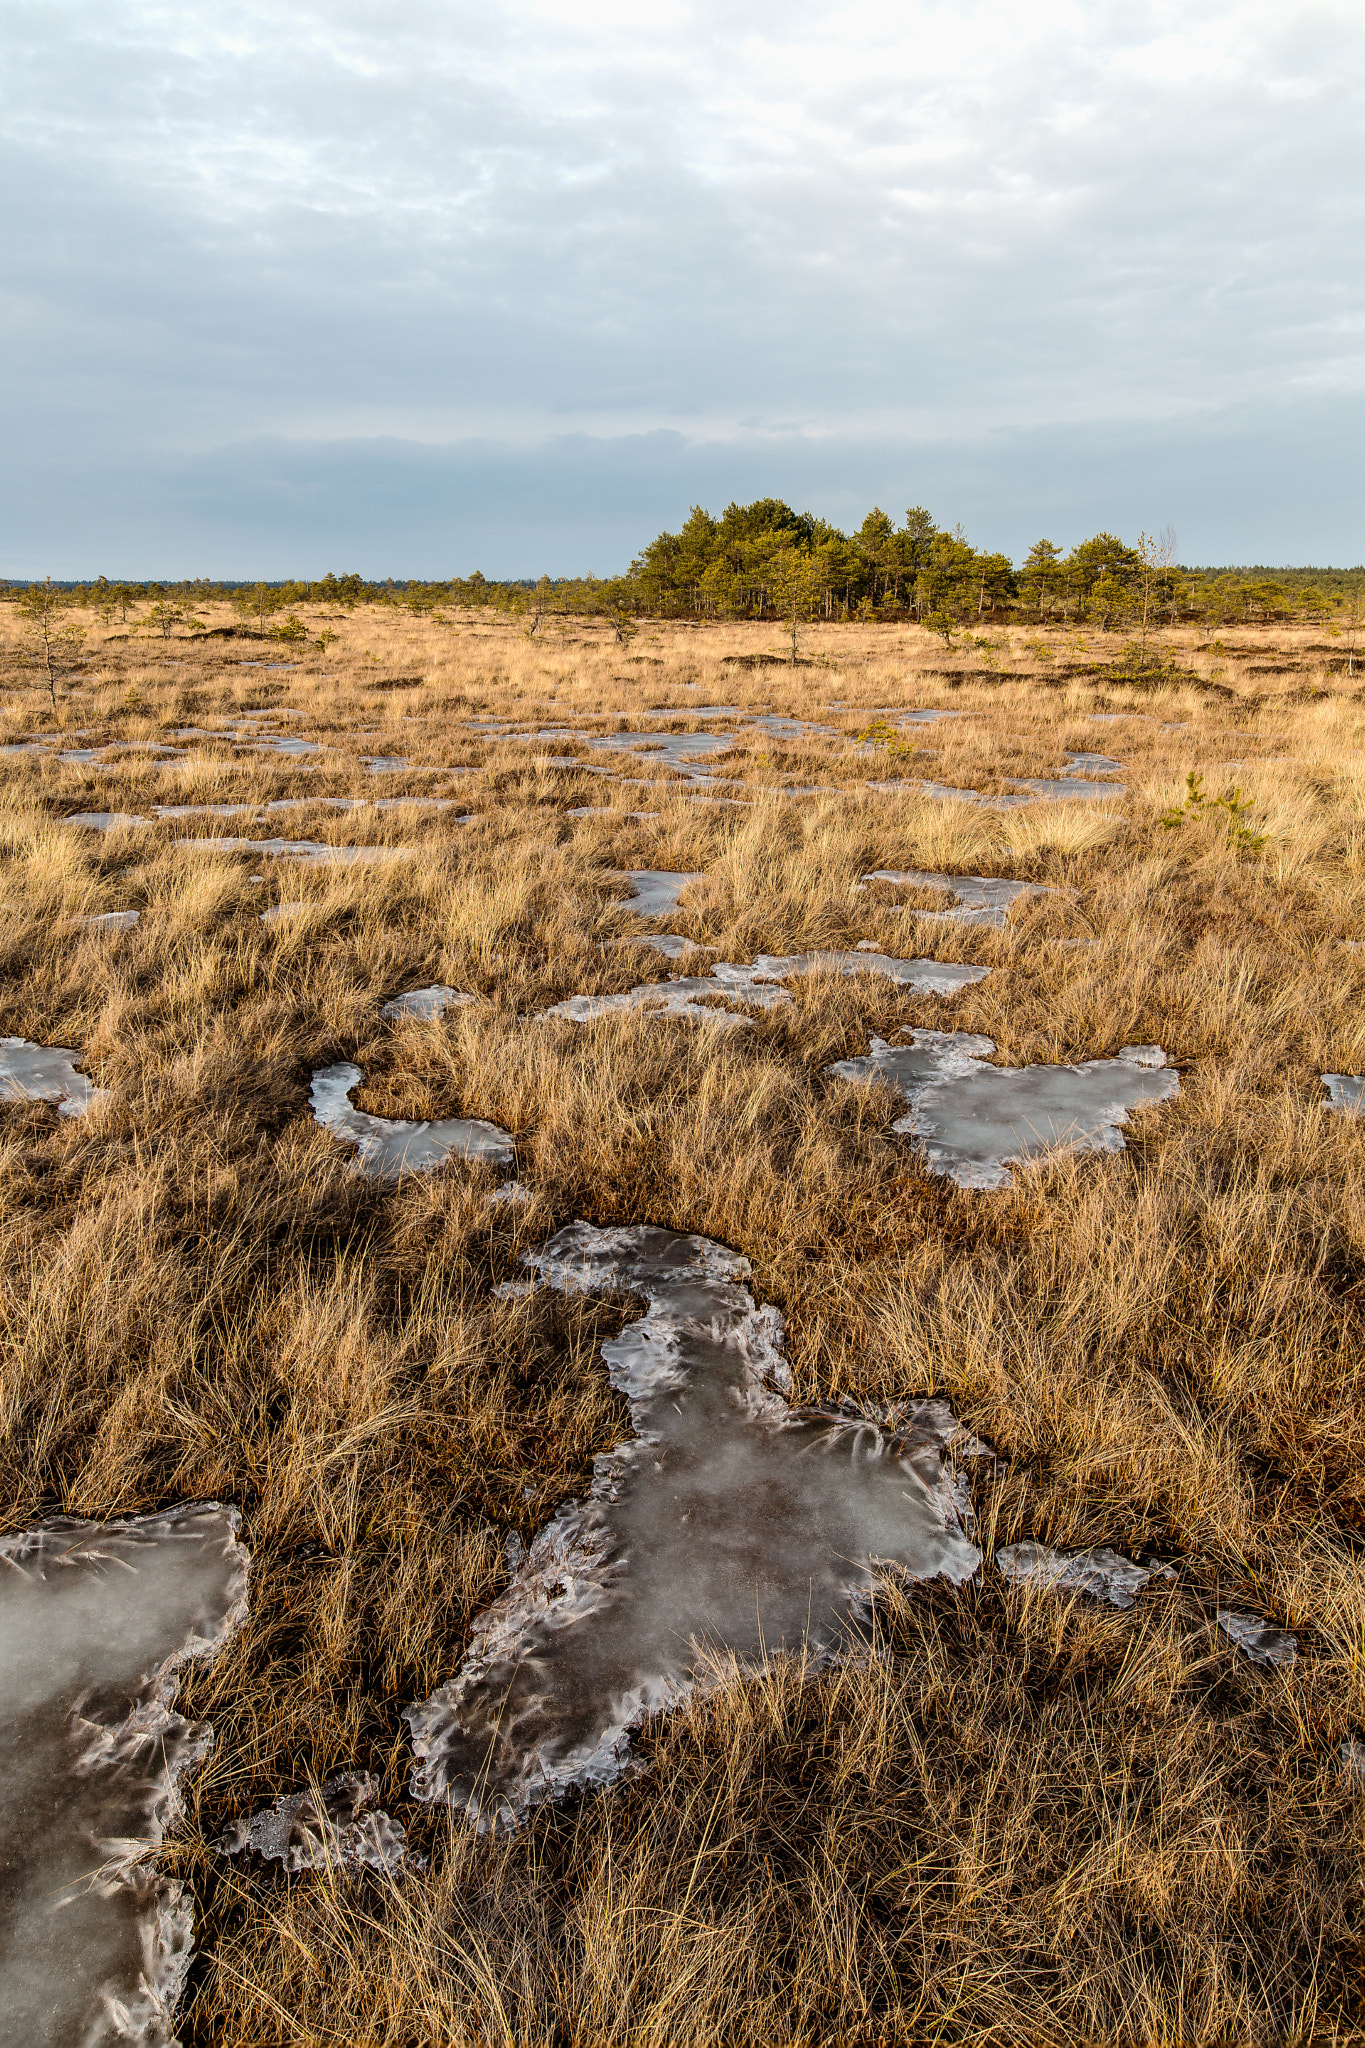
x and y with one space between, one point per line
1103 1574
1346 1092
977 899
655 890
430 1003
973 1120
105 821
728 1527
692 996
389 1147
1259 1639
336 1825
315 851
46 1073
96 1620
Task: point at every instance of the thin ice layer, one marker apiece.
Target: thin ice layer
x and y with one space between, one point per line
333 1825
730 1526
973 1119
1346 1092
977 899
695 997
1102 1573
654 890
46 1073
390 1147
428 1003
1258 1638
95 1621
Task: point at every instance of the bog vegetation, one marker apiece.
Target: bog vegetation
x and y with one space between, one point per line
1026 1817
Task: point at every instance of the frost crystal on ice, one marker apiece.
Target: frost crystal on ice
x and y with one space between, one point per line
96 1620
973 1119
730 1525
389 1147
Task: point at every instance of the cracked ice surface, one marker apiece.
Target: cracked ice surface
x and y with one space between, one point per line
1101 1573
336 1824
390 1147
1346 1092
429 1003
46 1073
1260 1639
729 1525
684 995
96 1620
973 1119
977 899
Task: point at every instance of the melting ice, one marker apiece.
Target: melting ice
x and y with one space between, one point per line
973 1119
729 1524
96 1620
389 1147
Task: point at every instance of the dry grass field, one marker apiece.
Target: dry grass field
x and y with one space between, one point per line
1026 1818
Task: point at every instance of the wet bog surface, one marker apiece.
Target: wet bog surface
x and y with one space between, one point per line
389 1147
730 1525
973 1119
95 1621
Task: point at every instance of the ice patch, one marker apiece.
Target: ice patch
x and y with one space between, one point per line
729 1527
315 851
692 996
105 821
390 1147
1346 1092
1260 1639
654 890
109 921
1103 1574
977 899
97 1620
1060 789
335 1825
1092 764
973 1120
429 1003
46 1073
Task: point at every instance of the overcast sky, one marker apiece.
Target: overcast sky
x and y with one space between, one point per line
445 286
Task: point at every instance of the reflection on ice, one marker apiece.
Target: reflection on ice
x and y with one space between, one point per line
977 899
46 1073
973 1119
390 1147
1346 1092
96 1620
1101 1573
728 1527
430 1002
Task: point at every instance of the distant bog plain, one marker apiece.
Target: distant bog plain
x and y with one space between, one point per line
727 1299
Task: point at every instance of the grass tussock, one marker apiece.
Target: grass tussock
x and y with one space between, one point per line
1024 1818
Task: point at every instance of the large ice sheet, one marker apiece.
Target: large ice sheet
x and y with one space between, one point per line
974 1120
96 1620
46 1073
977 899
390 1146
730 1525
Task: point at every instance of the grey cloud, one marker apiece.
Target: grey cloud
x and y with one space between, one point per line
271 259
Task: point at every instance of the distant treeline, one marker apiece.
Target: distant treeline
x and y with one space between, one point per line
766 561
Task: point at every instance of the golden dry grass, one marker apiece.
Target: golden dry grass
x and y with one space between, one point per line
1025 1819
